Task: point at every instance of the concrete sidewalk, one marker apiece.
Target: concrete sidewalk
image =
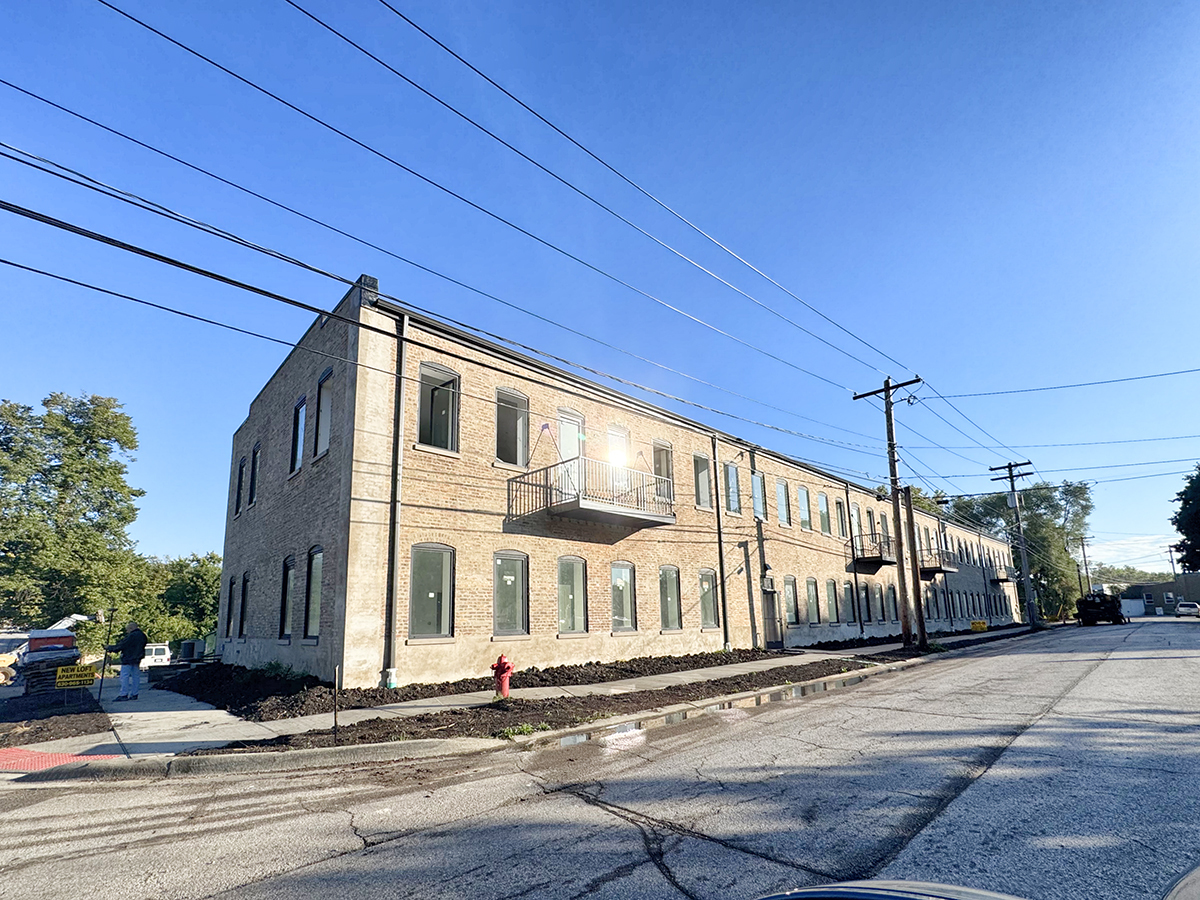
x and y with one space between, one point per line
163 723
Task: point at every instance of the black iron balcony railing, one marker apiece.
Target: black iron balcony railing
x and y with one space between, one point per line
1001 574
594 490
878 549
936 561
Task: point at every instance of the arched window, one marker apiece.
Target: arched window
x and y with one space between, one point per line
831 601
255 461
431 591
879 613
624 597
840 507
813 600
241 479
893 610
823 512
287 594
791 606
848 603
510 593
669 605
572 595
312 588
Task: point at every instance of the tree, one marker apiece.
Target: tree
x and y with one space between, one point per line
1187 523
1055 521
1126 575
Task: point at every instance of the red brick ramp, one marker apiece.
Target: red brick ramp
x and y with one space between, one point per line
18 759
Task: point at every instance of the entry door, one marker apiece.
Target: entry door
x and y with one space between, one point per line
772 623
570 447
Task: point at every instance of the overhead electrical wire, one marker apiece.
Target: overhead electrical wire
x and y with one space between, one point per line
1178 437
471 203
1082 384
570 185
158 209
126 196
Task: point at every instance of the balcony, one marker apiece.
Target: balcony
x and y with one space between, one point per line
937 562
593 491
1001 574
871 550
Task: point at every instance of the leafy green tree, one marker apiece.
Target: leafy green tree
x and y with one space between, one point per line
1105 574
1187 523
1055 520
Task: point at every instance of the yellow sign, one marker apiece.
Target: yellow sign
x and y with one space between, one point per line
74 676
979 625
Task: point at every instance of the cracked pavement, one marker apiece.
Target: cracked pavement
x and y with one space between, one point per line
1055 766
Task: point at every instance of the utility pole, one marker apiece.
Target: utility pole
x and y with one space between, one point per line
1012 476
897 518
1086 570
922 639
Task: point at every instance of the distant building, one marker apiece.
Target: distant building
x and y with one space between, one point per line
411 529
1160 598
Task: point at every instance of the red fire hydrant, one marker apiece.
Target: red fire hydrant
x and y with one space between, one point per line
502 671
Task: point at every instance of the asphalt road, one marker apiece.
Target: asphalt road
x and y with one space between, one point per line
1062 765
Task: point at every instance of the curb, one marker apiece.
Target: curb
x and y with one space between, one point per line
392 751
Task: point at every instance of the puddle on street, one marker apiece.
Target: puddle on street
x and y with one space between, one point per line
789 693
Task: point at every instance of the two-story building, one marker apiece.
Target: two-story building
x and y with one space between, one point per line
407 501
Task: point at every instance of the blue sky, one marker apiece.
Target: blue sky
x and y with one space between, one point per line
998 196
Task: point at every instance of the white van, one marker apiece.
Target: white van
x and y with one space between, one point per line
156 655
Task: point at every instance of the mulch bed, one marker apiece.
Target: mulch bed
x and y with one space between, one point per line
264 695
37 718
505 718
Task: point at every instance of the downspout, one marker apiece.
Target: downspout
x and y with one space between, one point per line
862 628
390 678
716 494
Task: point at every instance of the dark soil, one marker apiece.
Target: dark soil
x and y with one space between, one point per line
44 717
505 718
263 695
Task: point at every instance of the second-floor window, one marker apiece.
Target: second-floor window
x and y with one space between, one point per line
324 413
664 469
297 456
733 497
438 420
255 460
823 510
703 485
512 428
782 505
241 479
803 508
758 493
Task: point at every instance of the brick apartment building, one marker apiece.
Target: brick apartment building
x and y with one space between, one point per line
411 529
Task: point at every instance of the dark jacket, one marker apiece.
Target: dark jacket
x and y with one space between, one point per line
132 647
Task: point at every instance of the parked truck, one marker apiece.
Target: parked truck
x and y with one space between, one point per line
1098 607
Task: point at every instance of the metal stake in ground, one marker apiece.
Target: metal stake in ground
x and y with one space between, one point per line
112 615
337 672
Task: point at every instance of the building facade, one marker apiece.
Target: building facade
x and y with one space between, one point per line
407 501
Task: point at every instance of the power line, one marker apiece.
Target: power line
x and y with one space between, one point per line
1063 387
1178 437
1152 462
463 199
641 189
568 184
396 256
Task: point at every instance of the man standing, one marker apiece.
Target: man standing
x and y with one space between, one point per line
132 648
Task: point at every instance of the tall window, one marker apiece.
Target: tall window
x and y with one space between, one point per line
883 526
255 459
758 493
814 601
733 497
848 603
572 595
438 425
624 599
670 613
297 455
823 511
803 509
893 611
664 469
510 593
229 613
241 478
840 508
287 592
855 520
782 503
312 593
831 601
701 476
512 428
324 413
431 591
879 614
864 602
709 616
241 625
791 607
871 521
